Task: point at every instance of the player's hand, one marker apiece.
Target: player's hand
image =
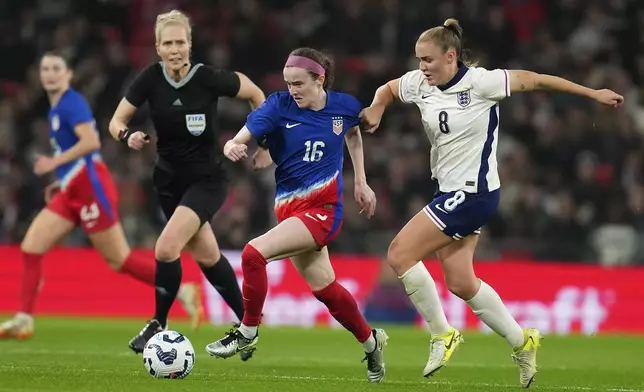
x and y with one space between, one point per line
366 199
51 190
44 165
262 159
608 97
235 152
370 118
137 140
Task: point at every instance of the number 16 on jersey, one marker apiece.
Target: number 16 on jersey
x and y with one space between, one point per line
313 151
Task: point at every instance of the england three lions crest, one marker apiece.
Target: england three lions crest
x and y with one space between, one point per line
463 98
338 125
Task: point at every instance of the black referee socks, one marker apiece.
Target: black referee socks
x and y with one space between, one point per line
167 281
222 277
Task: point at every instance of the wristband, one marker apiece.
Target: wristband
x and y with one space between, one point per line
263 142
124 136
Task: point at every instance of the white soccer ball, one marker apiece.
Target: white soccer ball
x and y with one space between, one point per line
169 354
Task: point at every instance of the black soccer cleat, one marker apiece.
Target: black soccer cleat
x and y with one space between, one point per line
137 344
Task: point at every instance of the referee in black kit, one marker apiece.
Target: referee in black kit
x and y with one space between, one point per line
189 177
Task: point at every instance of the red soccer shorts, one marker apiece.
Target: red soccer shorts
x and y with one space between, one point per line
89 200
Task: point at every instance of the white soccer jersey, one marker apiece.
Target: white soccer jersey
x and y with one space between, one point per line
461 120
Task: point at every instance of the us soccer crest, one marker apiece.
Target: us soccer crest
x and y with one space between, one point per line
55 123
463 98
338 125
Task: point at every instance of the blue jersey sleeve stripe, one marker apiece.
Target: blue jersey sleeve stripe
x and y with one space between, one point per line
487 150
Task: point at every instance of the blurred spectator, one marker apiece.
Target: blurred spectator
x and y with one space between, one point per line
572 172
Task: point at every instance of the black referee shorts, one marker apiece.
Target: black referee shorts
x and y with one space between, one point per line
202 193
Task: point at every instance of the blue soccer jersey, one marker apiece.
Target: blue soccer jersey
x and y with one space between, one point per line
306 145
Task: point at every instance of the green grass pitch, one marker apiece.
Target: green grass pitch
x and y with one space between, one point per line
92 355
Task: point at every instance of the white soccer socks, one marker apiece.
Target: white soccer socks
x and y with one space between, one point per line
421 289
489 308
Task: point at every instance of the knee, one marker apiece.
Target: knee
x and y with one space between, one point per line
115 263
320 280
252 258
31 245
324 293
205 256
463 285
399 258
27 246
167 249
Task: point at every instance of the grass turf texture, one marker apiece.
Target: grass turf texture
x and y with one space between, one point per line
92 355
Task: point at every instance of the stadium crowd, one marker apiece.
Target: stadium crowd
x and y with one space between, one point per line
572 172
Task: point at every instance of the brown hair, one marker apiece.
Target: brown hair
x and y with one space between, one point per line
58 54
449 35
320 58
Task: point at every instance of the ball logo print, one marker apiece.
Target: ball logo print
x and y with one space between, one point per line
169 354
167 357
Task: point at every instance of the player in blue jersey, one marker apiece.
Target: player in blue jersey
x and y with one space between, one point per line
305 129
459 108
84 194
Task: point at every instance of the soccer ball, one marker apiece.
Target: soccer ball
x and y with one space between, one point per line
169 354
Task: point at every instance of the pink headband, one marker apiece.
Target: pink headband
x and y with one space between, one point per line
305 63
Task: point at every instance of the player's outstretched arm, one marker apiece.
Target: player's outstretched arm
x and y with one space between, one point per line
356 151
370 117
364 196
524 81
236 149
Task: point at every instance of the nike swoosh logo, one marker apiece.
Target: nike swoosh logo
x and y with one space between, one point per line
449 346
289 125
425 96
438 207
531 339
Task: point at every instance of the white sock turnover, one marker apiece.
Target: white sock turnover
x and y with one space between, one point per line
248 332
421 289
369 345
489 308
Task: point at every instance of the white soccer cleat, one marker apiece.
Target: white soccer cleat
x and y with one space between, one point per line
190 297
20 327
441 349
526 356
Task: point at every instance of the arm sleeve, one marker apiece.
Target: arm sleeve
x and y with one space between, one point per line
223 83
264 119
356 107
493 85
138 91
78 112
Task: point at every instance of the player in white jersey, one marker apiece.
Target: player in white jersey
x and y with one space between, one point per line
459 105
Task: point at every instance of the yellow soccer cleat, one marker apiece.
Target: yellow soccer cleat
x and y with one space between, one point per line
441 349
526 356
